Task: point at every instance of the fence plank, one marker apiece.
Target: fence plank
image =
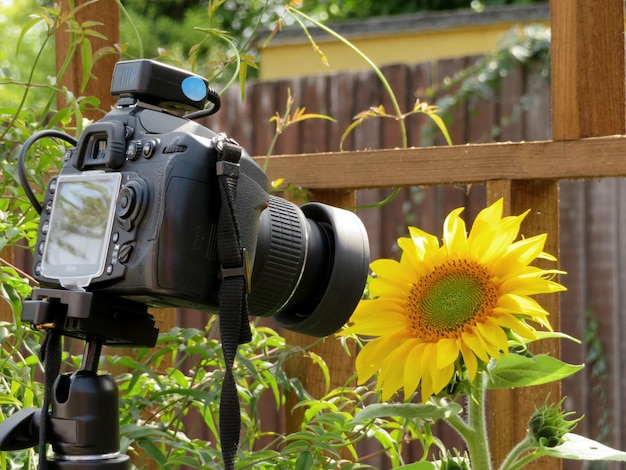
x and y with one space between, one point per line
459 164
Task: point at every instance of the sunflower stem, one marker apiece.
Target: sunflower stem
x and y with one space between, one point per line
477 440
513 460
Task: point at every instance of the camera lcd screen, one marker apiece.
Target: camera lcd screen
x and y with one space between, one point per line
80 227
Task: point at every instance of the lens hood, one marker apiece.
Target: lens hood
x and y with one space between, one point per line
314 289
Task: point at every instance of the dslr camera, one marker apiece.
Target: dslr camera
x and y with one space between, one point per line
133 214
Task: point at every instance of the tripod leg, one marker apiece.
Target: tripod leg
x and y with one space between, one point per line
20 430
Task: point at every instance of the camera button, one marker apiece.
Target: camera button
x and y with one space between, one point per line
109 269
53 186
41 247
124 254
45 227
132 151
149 147
48 207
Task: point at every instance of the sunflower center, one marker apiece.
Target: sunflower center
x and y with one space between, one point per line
457 294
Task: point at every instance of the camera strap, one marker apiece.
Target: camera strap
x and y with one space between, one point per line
233 299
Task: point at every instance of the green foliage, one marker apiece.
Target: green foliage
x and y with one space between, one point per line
352 9
18 387
205 38
523 46
524 371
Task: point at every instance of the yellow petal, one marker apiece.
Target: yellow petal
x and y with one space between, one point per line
469 358
418 252
375 307
482 333
441 377
503 235
371 358
385 286
527 250
494 334
413 369
472 341
385 323
427 360
521 305
423 240
486 219
454 234
391 375
530 286
447 352
483 229
393 271
507 320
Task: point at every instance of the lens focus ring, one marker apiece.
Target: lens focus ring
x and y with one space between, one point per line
281 259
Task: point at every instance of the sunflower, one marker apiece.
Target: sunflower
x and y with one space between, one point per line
450 307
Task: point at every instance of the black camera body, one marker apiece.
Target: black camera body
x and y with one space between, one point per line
133 213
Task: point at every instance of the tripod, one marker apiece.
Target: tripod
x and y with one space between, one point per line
83 422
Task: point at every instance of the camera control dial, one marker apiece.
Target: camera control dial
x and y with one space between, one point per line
129 204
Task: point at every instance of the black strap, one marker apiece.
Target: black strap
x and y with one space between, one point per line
233 303
50 354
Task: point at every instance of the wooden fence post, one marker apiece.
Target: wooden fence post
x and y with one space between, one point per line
340 364
587 101
99 85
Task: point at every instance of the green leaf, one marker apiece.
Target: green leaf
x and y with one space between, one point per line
578 447
418 466
27 27
521 371
8 400
407 410
86 55
154 452
304 461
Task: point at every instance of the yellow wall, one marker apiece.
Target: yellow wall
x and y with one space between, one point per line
296 57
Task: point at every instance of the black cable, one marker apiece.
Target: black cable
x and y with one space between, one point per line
21 160
214 97
50 355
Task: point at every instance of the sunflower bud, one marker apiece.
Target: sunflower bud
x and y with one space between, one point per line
456 462
548 425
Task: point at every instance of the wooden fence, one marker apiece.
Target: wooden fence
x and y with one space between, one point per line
587 101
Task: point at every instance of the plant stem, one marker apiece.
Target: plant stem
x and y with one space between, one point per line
372 65
477 441
513 459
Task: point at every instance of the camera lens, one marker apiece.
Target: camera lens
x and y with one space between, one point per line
310 267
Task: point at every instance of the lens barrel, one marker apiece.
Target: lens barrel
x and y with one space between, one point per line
310 267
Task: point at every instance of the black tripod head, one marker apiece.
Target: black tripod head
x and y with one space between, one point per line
80 417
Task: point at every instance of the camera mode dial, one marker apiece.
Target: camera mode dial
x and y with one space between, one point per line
129 204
